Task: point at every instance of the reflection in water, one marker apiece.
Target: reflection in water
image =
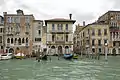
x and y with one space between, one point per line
85 69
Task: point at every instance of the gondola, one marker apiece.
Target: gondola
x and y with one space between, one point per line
68 56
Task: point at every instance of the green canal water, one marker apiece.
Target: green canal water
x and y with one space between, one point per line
85 69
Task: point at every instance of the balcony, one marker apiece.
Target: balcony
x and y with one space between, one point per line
60 31
59 41
9 33
116 39
67 31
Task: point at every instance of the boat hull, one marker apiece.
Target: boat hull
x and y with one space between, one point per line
75 57
19 57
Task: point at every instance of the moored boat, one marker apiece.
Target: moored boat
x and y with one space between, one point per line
75 56
68 56
19 56
6 56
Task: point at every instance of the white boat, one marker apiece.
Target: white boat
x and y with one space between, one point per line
6 56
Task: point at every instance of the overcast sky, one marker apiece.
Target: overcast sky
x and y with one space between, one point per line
82 10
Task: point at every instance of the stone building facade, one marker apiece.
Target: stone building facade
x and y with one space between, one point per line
59 35
93 38
1 34
112 18
18 32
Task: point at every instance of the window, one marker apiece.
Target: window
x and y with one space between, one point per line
66 26
18 27
105 31
88 31
105 41
53 37
11 29
15 40
17 19
93 42
39 32
66 38
59 26
99 32
113 34
87 42
53 27
0 39
93 50
99 42
8 40
114 44
100 50
11 40
117 34
23 40
27 19
83 34
9 19
37 39
1 47
26 40
1 30
19 41
93 32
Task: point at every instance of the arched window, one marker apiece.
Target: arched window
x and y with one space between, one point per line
23 40
15 40
11 40
19 40
8 40
26 40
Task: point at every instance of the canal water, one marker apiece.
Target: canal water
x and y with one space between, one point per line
85 69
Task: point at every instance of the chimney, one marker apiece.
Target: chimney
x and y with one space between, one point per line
70 15
83 23
19 12
4 13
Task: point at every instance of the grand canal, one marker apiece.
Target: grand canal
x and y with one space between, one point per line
85 69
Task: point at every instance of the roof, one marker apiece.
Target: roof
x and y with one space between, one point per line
38 20
110 11
94 23
18 15
60 20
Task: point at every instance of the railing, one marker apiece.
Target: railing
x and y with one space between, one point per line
59 41
60 31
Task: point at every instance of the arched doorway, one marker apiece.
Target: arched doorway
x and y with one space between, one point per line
11 50
66 49
60 50
52 50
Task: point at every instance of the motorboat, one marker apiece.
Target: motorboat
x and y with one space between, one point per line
75 56
19 56
6 56
68 56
